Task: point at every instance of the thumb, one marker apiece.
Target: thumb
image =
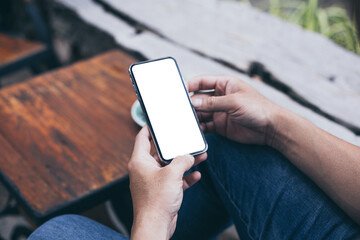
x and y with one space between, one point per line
215 103
182 163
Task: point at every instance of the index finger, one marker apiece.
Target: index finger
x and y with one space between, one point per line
142 141
204 82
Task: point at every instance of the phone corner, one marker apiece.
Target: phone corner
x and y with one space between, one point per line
165 161
131 67
160 155
170 57
206 146
204 149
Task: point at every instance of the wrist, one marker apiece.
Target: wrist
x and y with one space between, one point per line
150 225
275 126
284 130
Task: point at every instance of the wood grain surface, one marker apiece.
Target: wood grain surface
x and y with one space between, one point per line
13 49
68 133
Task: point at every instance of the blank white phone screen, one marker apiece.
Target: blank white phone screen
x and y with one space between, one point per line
168 108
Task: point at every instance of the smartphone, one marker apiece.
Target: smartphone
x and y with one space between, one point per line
166 105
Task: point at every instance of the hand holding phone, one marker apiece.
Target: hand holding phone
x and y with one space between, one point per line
166 105
164 186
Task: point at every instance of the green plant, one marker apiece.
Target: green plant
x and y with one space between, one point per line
333 22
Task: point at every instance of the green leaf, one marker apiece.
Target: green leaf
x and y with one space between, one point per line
332 22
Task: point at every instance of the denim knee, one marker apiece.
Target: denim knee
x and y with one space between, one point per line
57 227
74 227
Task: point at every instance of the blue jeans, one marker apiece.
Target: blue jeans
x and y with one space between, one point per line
254 187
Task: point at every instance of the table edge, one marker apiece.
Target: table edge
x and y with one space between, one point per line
78 205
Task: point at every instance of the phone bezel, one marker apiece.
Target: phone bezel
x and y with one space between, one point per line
138 94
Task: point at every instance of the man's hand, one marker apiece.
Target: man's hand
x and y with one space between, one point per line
239 112
157 191
235 110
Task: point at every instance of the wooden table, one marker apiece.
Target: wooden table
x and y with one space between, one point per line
13 49
66 136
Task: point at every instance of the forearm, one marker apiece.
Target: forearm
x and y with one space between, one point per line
333 164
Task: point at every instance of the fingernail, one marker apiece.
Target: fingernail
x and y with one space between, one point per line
197 102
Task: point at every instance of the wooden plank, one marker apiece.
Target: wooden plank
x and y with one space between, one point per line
191 64
12 162
320 71
71 129
13 49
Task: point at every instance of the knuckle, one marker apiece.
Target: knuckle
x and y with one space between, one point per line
233 100
132 166
211 101
239 82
